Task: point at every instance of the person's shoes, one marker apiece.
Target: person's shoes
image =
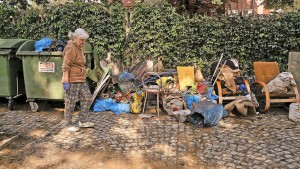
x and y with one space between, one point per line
86 125
73 128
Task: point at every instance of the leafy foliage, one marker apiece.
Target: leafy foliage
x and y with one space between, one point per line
103 22
158 31
277 4
154 31
203 7
7 17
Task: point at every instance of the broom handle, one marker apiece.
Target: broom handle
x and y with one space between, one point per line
217 67
219 72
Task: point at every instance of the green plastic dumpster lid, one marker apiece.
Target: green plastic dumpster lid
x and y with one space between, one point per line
87 47
11 43
27 48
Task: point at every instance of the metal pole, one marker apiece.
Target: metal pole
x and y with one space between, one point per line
219 72
237 6
217 66
252 7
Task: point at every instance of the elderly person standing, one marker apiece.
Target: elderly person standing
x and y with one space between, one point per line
74 79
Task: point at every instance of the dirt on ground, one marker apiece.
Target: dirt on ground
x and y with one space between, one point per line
34 151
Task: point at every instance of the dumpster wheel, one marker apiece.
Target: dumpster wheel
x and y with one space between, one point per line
10 104
34 106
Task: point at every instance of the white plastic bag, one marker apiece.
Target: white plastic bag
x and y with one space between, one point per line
294 112
282 83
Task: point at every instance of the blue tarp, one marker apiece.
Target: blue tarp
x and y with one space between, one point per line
212 113
110 104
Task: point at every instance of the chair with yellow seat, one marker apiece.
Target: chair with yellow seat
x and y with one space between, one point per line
264 73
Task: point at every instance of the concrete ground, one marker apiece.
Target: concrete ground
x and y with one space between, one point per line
130 142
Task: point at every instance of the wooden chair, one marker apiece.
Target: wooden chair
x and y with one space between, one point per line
225 94
264 73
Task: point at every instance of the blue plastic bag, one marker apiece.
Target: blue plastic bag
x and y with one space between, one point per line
211 96
125 76
103 105
110 104
42 44
243 88
189 99
119 108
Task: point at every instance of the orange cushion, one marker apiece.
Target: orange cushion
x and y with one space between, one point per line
265 71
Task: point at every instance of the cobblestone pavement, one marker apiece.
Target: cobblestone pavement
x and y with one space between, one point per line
270 141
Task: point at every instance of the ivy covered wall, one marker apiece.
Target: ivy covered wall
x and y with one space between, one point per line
104 23
158 31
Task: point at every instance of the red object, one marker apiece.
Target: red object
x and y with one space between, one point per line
118 96
175 108
201 88
122 97
128 3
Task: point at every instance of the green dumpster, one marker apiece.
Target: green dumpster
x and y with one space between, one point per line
11 76
43 73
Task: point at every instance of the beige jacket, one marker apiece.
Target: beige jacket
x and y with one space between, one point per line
74 62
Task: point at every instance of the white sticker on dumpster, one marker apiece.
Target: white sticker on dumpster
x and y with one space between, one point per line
47 67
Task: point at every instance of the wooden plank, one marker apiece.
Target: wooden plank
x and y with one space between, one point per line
99 88
186 76
230 97
7 141
282 100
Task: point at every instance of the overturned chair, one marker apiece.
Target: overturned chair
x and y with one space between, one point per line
264 73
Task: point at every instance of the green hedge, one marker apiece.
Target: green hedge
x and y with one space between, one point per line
103 22
158 31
